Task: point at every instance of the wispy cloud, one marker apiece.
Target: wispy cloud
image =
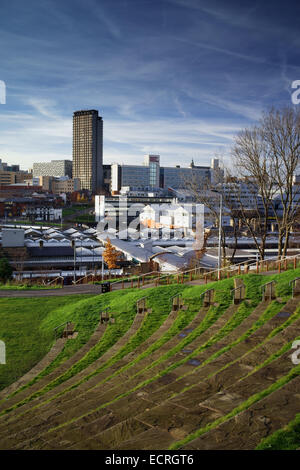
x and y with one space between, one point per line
103 17
178 77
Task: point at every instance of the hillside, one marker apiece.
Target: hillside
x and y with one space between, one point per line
159 379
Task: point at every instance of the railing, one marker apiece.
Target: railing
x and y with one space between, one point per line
293 282
205 292
82 278
228 271
59 326
263 289
176 295
135 280
207 274
55 280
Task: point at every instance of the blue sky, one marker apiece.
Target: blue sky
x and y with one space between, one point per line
174 77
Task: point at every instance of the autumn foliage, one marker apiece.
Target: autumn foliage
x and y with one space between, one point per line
110 255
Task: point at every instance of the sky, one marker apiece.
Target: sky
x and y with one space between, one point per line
179 78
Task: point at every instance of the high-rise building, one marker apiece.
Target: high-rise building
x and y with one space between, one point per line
88 149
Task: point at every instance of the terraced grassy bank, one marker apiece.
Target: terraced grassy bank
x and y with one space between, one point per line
172 380
23 328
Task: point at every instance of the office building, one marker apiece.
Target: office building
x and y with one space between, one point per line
5 167
152 175
54 168
88 149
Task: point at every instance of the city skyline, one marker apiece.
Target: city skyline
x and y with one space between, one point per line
168 77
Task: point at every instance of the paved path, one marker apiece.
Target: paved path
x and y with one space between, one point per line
67 290
86 289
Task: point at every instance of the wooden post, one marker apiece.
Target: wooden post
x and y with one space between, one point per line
143 280
279 266
295 262
257 267
138 282
191 276
131 283
177 278
239 270
182 278
205 279
285 264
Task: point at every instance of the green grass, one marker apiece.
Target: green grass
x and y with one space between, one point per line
294 372
85 315
287 438
10 286
74 209
33 223
253 283
28 328
223 298
22 329
161 307
124 306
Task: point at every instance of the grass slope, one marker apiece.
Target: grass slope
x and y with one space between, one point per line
27 336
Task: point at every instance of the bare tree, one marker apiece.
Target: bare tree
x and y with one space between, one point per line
281 130
266 157
209 193
254 169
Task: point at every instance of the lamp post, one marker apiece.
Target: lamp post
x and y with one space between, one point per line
81 238
220 236
102 268
220 233
93 258
74 247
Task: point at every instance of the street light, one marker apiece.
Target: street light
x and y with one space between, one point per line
74 248
220 235
220 231
102 268
81 238
93 259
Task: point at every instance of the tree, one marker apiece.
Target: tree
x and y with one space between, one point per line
5 270
254 167
209 193
110 255
267 157
281 130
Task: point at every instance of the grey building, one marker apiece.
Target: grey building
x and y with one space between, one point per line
151 174
177 177
88 149
54 168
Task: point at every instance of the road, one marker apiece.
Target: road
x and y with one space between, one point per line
79 289
92 289
67 290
